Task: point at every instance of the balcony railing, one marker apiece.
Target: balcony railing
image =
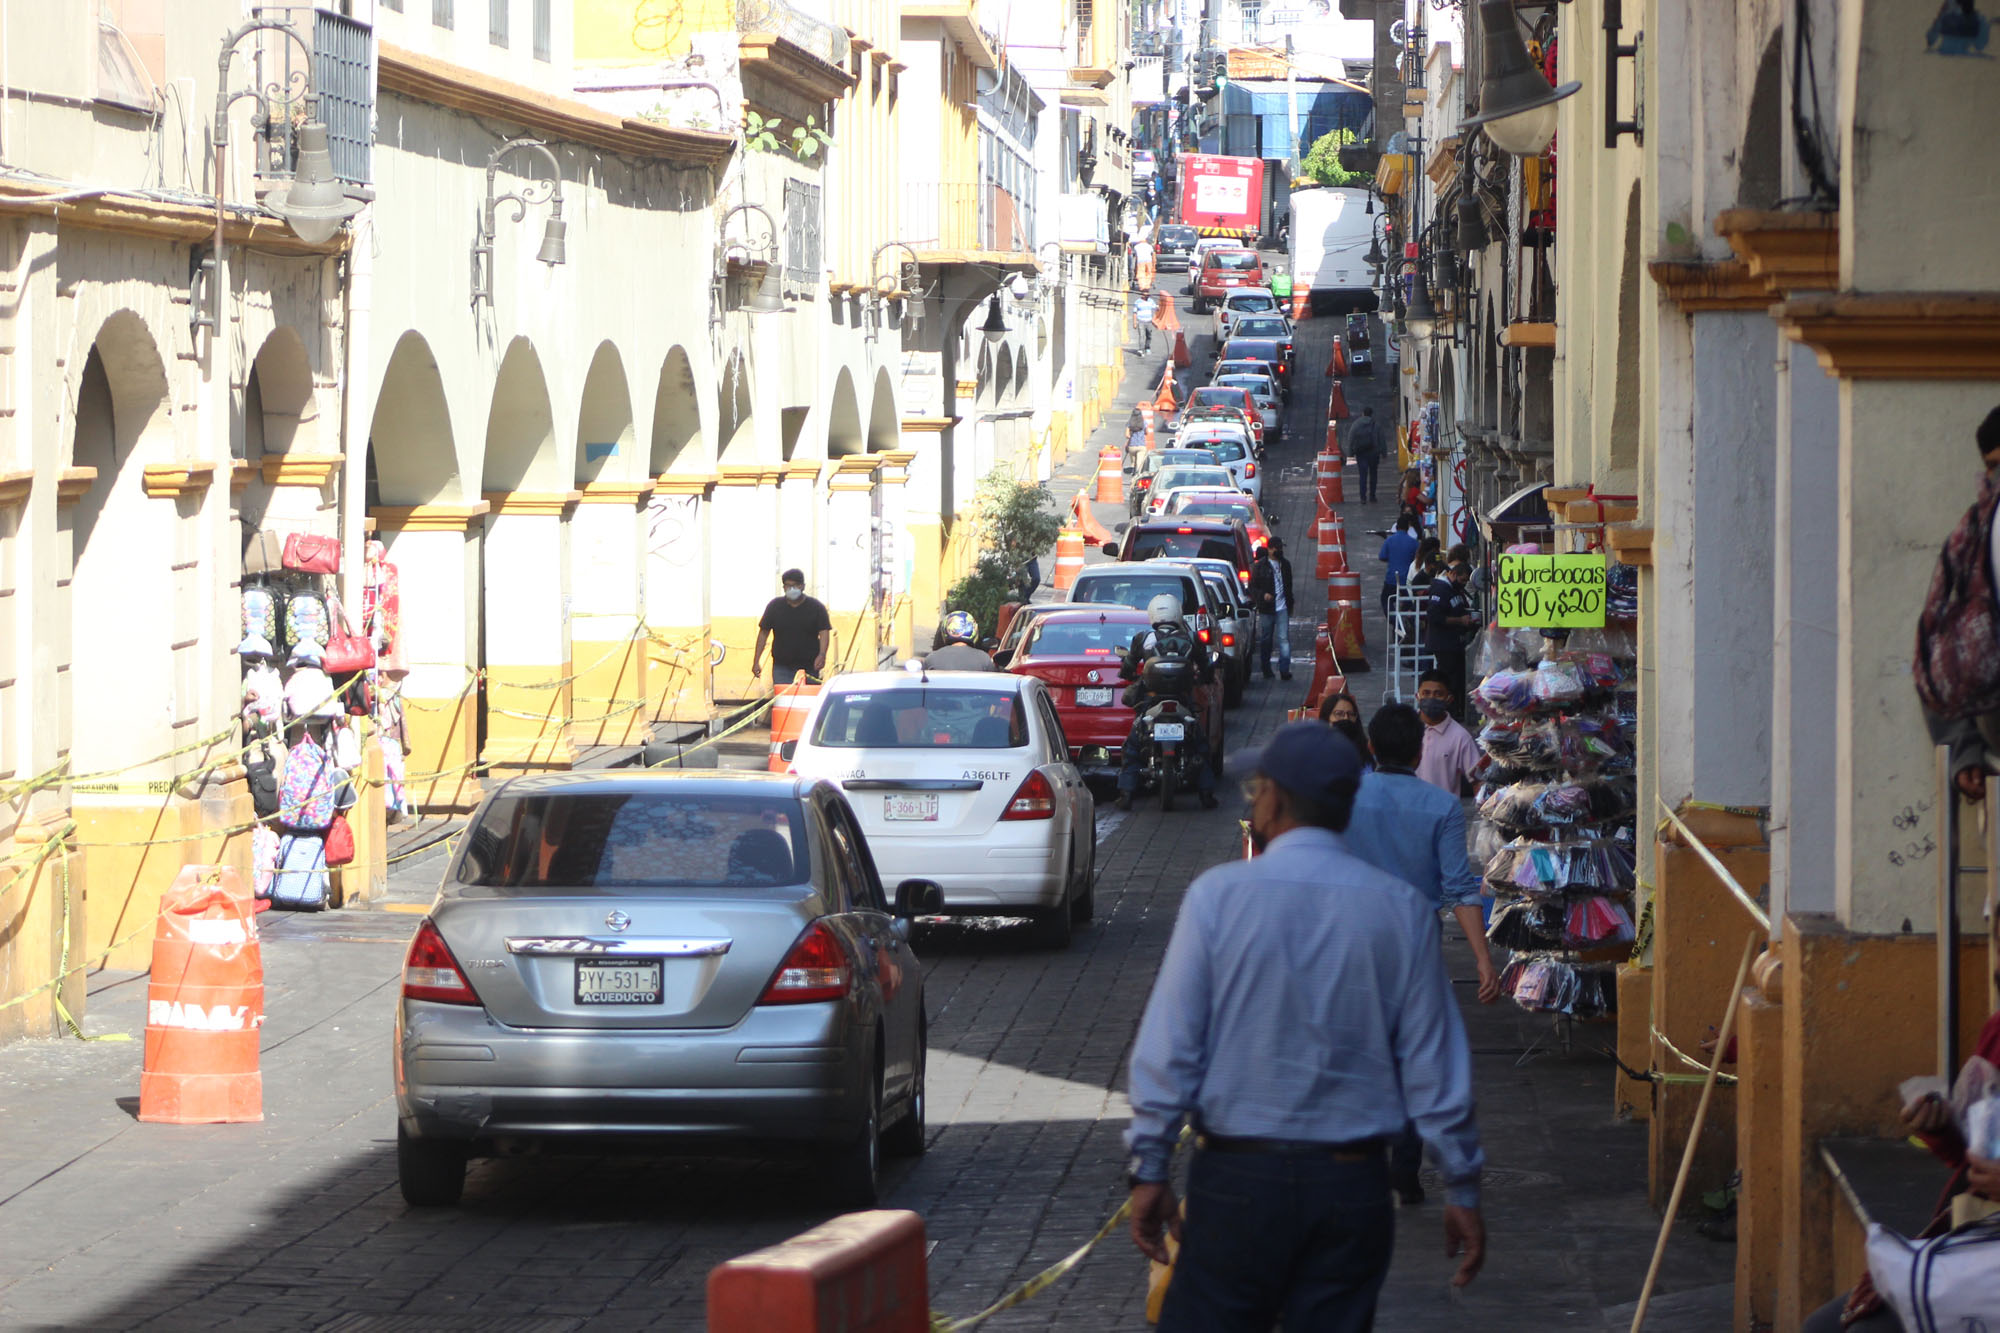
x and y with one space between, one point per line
343 76
955 215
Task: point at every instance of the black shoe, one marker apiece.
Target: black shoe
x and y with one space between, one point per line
1208 801
1123 800
1286 676
1267 674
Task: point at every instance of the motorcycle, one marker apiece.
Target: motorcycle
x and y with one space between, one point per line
1166 725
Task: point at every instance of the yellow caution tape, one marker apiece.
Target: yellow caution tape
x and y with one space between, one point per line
1685 1059
1037 1284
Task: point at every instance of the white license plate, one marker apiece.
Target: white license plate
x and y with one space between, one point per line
921 806
1098 698
1168 731
618 983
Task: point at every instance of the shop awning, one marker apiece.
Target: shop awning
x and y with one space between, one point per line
1524 508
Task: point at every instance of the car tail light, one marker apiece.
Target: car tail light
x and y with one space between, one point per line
1243 577
1202 634
1183 531
816 969
1145 483
1034 799
1250 469
1228 639
431 973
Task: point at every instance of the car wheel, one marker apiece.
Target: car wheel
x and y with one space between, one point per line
907 1137
855 1175
1083 906
431 1172
1052 924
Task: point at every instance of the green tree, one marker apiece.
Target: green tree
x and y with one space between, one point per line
1323 161
1018 522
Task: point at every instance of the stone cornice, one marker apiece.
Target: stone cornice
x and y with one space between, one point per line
73 482
14 486
749 474
1904 336
1710 284
170 481
1632 543
928 425
134 215
792 67
617 492
542 503
1526 334
426 79
428 518
802 470
898 457
1790 251
300 469
693 483
241 473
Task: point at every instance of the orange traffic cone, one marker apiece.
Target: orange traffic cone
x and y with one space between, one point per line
1069 558
1301 305
792 700
1322 669
1111 475
1181 356
1336 403
1085 522
1165 399
1343 622
204 1004
1327 475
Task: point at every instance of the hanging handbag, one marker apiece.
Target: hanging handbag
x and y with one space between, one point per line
265 553
346 652
308 554
339 842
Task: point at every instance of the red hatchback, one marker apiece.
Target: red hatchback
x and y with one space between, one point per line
1076 653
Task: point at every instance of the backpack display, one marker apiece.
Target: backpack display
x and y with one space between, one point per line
260 615
306 618
305 795
1957 665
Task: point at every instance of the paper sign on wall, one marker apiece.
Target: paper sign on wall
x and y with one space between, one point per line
1551 591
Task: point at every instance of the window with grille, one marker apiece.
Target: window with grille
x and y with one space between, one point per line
496 21
802 258
441 13
1086 17
542 26
344 75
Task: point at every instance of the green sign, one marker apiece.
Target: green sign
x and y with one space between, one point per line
1551 591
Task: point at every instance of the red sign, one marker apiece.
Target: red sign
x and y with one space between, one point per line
1222 194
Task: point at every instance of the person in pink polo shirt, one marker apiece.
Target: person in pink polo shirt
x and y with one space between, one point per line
1451 756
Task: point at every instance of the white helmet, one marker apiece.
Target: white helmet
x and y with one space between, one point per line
1164 609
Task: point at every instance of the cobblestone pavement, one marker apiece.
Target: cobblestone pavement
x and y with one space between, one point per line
296 1222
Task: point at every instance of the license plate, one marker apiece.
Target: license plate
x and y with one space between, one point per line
921 806
635 982
1093 698
1168 731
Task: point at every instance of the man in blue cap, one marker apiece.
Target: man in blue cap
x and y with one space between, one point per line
1300 1018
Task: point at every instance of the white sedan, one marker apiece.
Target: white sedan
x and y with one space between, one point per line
962 778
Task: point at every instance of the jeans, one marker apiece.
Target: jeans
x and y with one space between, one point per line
784 673
1194 754
1145 335
1268 623
1367 465
1301 1239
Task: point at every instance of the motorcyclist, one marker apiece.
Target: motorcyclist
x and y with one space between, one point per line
1168 623
959 653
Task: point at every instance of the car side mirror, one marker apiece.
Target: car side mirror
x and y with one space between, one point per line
918 897
988 644
1110 549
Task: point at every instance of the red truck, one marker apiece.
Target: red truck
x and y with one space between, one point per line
1223 196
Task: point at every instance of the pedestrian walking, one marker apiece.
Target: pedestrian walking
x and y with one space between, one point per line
1301 1017
1271 598
799 631
1143 256
1448 625
1144 307
1406 826
1450 756
1399 548
1364 446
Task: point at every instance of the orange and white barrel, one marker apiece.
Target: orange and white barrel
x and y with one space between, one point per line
1069 559
790 703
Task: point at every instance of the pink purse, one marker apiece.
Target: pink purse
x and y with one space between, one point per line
307 554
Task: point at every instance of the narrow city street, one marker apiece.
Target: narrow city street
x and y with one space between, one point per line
297 1223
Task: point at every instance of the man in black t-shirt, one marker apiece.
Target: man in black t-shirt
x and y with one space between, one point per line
799 631
1448 625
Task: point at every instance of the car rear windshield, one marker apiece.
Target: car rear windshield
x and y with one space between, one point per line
1251 303
587 840
1178 235
922 719
1192 476
1259 326
1166 542
1245 366
1135 589
1220 395
1089 638
1249 349
1213 509
1237 260
1256 384
1225 451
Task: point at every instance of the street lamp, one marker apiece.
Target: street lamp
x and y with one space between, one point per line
769 298
1421 316
554 249
995 327
1517 107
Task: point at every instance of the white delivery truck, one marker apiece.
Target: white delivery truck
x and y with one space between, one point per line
1331 226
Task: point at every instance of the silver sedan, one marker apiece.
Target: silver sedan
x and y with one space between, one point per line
666 960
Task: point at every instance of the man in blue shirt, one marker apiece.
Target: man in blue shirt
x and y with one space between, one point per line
1416 831
1300 1018
1399 548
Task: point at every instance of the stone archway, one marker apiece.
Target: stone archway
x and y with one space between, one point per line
742 577
676 543
281 417
607 625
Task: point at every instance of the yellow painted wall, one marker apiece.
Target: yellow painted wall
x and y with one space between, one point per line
443 749
613 33
527 717
37 895
611 692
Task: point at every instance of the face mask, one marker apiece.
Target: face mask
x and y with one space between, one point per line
1434 709
794 594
